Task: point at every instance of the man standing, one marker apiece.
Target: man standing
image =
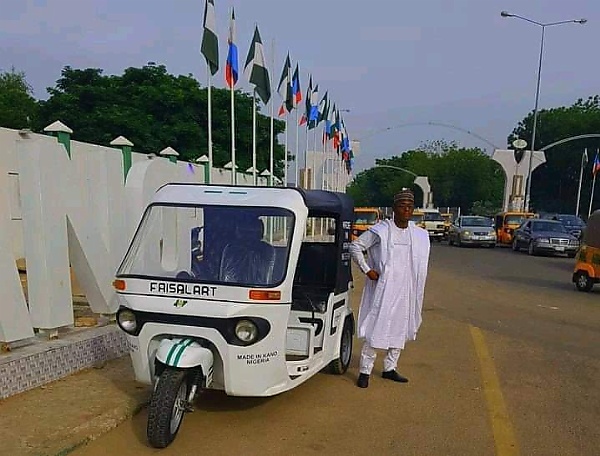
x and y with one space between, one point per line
392 300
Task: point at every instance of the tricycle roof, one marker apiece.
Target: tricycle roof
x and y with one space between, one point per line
318 202
224 195
591 235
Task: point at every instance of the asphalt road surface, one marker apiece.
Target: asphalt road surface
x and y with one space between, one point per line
507 362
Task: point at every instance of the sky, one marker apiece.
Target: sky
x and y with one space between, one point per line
399 66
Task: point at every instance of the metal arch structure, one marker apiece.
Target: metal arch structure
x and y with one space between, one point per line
434 124
397 168
572 138
420 181
566 140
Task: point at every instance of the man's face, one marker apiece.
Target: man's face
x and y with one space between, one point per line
403 210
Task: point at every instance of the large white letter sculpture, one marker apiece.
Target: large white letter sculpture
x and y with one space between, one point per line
76 214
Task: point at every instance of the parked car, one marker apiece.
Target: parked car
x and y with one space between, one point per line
573 223
545 236
472 230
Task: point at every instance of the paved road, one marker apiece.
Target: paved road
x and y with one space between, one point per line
507 362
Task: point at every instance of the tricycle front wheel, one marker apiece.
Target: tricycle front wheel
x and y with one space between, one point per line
167 407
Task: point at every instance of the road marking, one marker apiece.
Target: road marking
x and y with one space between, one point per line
504 436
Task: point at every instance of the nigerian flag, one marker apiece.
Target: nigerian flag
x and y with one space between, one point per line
210 42
256 67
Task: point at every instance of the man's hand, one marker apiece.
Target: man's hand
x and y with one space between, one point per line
373 274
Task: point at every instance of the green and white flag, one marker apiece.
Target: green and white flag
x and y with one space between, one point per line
256 68
210 42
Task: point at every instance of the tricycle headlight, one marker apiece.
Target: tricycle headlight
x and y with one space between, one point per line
246 331
127 321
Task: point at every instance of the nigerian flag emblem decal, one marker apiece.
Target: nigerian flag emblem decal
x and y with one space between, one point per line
180 303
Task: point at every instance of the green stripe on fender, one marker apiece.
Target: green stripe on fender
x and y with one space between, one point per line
182 348
172 351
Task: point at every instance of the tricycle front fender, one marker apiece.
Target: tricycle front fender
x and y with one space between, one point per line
185 353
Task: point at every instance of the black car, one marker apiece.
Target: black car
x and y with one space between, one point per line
545 236
573 223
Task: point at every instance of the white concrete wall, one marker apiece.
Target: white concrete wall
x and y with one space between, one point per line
58 212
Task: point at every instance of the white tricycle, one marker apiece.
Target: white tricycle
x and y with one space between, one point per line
241 289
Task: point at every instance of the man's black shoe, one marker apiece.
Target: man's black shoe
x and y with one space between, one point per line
395 376
363 381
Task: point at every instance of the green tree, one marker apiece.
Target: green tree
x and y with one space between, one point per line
155 109
17 105
459 177
554 184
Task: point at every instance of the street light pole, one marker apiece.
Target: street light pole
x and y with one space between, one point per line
537 91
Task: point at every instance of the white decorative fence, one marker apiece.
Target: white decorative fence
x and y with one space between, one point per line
69 204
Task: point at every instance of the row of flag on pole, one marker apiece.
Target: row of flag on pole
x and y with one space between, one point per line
595 170
595 165
316 112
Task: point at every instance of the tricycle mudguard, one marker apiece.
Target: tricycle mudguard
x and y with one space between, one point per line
184 354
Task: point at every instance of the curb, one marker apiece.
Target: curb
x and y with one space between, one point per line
101 425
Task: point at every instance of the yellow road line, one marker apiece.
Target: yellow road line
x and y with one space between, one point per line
504 436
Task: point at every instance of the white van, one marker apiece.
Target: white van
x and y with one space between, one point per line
433 222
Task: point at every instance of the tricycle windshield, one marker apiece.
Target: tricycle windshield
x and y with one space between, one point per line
514 219
238 246
367 218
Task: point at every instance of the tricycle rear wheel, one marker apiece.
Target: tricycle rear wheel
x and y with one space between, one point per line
340 365
167 407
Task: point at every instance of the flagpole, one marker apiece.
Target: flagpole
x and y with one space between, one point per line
338 171
306 159
254 137
593 187
233 166
324 162
314 158
210 148
313 168
592 196
297 157
272 143
285 169
580 182
323 177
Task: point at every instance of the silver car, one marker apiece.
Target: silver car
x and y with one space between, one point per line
472 230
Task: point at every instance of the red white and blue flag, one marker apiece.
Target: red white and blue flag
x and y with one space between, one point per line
231 68
296 90
596 166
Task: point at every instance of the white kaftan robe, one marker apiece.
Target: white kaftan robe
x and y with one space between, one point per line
390 311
